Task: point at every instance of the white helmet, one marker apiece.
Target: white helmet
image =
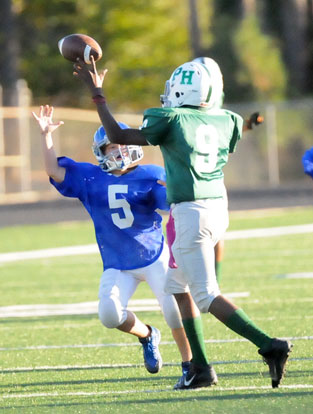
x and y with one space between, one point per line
217 80
191 84
117 159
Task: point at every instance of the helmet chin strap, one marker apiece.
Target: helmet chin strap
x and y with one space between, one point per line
164 98
111 166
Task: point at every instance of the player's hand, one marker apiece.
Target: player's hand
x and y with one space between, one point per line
161 182
89 74
254 119
45 121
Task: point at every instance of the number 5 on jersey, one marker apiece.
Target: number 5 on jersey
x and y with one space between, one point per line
114 202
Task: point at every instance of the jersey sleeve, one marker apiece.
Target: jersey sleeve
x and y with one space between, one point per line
155 125
158 191
73 184
159 194
237 121
307 162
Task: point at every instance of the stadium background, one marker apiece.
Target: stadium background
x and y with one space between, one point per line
265 50
266 66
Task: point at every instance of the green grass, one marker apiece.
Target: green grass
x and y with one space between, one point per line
64 379
240 220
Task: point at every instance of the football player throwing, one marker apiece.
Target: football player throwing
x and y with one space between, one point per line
195 139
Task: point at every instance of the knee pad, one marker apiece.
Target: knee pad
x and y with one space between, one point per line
171 312
111 313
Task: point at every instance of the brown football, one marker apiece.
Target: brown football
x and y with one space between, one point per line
80 46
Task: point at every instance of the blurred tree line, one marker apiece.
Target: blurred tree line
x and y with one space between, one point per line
264 47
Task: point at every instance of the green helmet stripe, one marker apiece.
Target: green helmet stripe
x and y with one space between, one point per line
210 88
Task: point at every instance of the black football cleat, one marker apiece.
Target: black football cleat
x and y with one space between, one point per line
198 376
276 359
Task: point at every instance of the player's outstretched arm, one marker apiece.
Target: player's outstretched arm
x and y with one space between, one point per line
94 81
47 126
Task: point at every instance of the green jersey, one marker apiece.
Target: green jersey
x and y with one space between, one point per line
195 145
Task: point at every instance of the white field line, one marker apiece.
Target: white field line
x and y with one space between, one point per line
95 322
84 308
150 391
118 366
93 248
269 232
131 344
307 275
49 253
90 308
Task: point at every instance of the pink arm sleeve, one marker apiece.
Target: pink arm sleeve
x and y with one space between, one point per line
170 234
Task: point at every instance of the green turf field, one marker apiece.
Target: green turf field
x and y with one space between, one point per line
71 364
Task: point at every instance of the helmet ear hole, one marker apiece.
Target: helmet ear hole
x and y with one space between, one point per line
102 149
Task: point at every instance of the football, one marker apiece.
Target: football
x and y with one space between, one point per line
80 46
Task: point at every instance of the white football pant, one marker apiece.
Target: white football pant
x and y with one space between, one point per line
199 225
118 286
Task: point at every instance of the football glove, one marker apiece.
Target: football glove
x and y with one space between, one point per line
255 119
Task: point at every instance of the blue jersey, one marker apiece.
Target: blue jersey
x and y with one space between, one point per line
123 209
307 161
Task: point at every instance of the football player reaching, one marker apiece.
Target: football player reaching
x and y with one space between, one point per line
195 140
122 198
